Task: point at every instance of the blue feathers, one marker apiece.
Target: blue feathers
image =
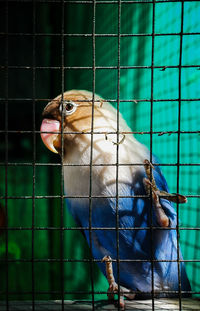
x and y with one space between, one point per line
136 240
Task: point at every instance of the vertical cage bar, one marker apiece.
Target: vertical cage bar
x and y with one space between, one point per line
178 152
91 147
62 154
6 155
117 149
151 149
34 154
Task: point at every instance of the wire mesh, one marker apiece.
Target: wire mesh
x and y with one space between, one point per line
143 57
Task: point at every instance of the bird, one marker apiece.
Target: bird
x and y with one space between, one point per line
116 192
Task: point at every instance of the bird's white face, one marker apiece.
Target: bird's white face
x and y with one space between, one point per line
74 111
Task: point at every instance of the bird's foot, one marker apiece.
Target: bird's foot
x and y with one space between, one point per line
112 290
150 186
113 287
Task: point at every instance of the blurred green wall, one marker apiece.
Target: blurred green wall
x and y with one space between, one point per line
135 84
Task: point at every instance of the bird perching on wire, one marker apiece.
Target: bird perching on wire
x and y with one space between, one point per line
129 193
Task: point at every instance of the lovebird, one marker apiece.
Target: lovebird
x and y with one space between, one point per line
115 188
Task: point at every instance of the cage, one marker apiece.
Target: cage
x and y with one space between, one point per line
143 57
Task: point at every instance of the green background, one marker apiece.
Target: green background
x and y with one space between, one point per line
25 180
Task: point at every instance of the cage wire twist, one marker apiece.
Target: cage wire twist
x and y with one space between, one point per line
34 164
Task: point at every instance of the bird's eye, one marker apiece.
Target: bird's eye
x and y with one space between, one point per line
69 107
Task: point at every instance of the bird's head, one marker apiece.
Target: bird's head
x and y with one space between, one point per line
67 116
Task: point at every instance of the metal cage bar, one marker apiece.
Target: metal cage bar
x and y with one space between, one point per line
151 151
178 153
62 155
117 144
34 157
6 161
91 147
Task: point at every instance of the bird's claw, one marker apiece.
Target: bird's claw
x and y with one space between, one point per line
150 186
113 287
112 290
